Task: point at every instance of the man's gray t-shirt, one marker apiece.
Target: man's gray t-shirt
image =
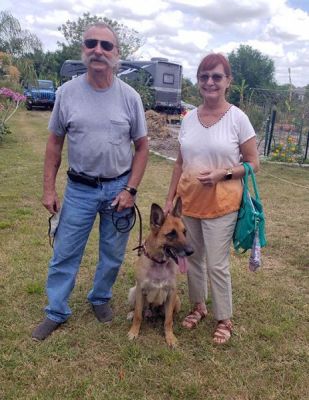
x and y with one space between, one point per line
100 125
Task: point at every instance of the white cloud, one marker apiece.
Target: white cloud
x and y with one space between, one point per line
141 7
273 50
289 25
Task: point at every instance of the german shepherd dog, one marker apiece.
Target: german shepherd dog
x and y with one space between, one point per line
164 252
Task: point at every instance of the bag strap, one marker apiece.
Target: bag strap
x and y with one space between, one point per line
248 169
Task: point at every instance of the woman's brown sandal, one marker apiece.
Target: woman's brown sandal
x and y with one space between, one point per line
223 332
194 317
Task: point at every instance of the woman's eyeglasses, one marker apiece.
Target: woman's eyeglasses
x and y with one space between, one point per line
105 45
215 77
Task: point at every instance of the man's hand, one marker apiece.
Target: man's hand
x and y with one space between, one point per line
52 163
51 202
124 200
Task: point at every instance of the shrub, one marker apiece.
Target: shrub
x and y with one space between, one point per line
9 103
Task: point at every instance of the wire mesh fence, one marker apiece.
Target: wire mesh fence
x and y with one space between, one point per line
281 121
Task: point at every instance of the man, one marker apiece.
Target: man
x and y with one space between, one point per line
101 116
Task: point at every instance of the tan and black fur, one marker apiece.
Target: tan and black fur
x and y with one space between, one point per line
156 270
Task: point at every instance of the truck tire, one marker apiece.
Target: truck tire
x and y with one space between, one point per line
28 106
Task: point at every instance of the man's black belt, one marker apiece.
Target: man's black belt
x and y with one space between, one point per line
92 181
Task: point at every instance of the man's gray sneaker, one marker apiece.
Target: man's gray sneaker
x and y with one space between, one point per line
103 312
46 328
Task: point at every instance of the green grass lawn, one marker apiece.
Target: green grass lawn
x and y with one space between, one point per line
267 358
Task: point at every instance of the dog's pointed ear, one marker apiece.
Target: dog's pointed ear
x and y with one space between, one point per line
156 216
177 210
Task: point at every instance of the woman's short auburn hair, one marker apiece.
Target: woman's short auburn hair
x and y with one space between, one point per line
211 61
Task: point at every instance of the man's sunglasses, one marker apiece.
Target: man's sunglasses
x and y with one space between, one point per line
105 45
215 77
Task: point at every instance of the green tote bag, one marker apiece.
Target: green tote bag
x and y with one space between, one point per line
251 218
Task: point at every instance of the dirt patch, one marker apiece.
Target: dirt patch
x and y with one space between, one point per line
168 146
163 137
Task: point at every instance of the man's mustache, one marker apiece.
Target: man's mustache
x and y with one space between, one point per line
103 59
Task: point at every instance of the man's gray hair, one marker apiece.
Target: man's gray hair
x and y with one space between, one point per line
101 24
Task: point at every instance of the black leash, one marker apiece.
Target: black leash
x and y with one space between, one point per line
126 223
123 224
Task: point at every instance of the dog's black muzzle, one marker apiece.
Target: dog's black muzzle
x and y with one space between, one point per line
175 252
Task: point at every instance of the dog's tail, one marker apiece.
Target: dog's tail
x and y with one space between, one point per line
131 301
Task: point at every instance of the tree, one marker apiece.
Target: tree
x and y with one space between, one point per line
5 62
141 85
9 73
250 69
14 40
72 31
47 65
19 45
190 93
240 89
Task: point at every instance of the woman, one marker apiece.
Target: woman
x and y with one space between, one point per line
207 176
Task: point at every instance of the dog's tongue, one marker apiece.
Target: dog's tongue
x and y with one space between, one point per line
182 263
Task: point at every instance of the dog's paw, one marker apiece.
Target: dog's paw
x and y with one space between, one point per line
130 315
132 334
171 340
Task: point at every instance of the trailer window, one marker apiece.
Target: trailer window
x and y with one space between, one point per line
168 78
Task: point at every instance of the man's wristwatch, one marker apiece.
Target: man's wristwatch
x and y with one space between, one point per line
228 174
131 190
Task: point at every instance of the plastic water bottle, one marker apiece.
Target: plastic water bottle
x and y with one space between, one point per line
255 256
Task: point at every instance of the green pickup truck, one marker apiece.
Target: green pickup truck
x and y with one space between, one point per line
42 93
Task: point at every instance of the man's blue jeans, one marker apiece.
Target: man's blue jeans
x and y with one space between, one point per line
80 206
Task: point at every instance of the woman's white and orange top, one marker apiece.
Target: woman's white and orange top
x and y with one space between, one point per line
217 146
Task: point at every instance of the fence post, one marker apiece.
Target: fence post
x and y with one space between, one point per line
300 137
307 145
272 124
266 134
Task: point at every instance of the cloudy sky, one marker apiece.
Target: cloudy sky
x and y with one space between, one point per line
185 30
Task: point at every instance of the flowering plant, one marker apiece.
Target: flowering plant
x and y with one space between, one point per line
9 103
286 151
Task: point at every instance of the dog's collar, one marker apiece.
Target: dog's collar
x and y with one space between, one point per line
143 247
